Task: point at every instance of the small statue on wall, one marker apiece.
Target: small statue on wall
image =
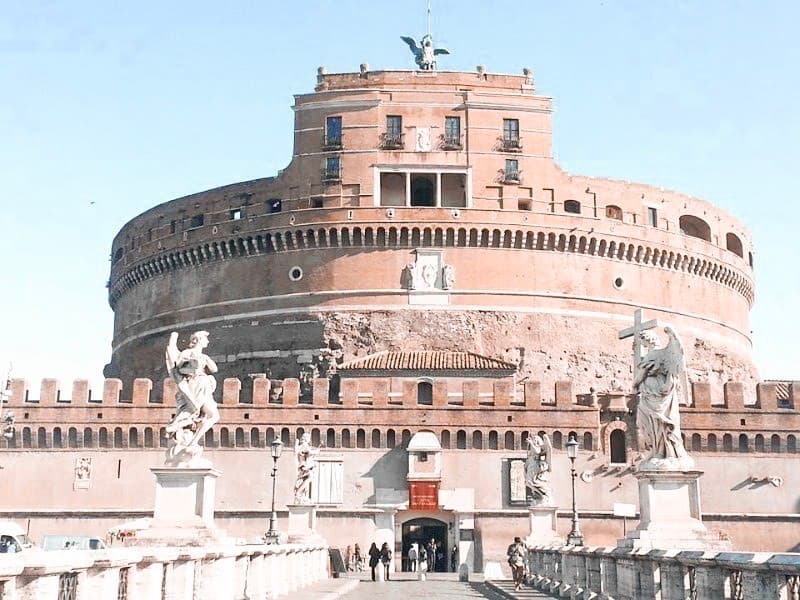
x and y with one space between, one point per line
409 277
537 470
305 456
192 371
661 384
448 277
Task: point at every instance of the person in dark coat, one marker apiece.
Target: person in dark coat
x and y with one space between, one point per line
386 559
374 558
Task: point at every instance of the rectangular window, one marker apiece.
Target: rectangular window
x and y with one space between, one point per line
511 130
394 126
236 214
652 216
452 130
317 202
512 170
173 225
331 172
274 205
196 221
333 132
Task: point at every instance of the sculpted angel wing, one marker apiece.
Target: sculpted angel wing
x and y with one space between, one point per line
171 357
547 448
439 51
412 43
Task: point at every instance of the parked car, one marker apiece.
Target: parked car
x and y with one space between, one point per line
72 542
13 538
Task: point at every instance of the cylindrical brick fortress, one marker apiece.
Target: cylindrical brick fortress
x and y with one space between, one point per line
423 210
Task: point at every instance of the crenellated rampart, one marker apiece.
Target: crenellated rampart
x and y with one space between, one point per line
365 413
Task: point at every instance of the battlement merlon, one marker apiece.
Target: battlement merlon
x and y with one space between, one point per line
377 392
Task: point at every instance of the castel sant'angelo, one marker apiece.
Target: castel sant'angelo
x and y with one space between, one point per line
420 289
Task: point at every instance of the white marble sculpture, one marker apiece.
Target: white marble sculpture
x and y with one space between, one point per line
448 277
192 371
537 470
661 384
306 460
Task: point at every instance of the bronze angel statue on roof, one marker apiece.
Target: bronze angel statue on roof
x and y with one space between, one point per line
424 53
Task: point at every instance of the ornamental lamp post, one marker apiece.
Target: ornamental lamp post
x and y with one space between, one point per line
271 537
575 538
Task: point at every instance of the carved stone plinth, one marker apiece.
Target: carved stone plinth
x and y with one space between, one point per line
669 503
184 508
303 524
543 522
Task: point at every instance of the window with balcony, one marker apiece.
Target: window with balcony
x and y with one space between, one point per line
332 169
511 141
393 138
333 133
511 172
452 133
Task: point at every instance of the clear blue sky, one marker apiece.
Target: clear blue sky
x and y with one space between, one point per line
107 111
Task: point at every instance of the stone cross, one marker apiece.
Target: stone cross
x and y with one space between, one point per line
638 327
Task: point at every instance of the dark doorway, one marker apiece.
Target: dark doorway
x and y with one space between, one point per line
422 531
618 451
422 191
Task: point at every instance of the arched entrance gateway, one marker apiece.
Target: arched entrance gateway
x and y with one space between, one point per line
422 531
433 516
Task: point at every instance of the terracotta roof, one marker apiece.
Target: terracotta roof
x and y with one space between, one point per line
426 360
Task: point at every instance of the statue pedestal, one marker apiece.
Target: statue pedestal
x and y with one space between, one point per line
303 523
543 522
184 508
669 503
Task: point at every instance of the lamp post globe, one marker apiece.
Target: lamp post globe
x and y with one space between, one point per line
575 537
275 448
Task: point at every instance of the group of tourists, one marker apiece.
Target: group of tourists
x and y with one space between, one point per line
382 557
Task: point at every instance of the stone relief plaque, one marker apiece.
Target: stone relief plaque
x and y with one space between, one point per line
423 139
83 473
516 481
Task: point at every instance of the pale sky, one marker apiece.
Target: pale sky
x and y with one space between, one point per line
107 111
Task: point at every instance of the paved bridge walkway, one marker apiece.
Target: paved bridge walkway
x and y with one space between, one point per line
442 586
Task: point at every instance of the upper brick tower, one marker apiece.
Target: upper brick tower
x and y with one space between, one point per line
424 210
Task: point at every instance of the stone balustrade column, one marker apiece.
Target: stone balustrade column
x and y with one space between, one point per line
145 580
762 584
710 581
256 577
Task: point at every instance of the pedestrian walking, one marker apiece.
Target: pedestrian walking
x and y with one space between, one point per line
359 559
386 559
413 555
374 558
454 559
516 559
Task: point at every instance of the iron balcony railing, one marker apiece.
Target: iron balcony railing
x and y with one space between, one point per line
511 144
332 142
331 175
511 176
392 141
451 142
